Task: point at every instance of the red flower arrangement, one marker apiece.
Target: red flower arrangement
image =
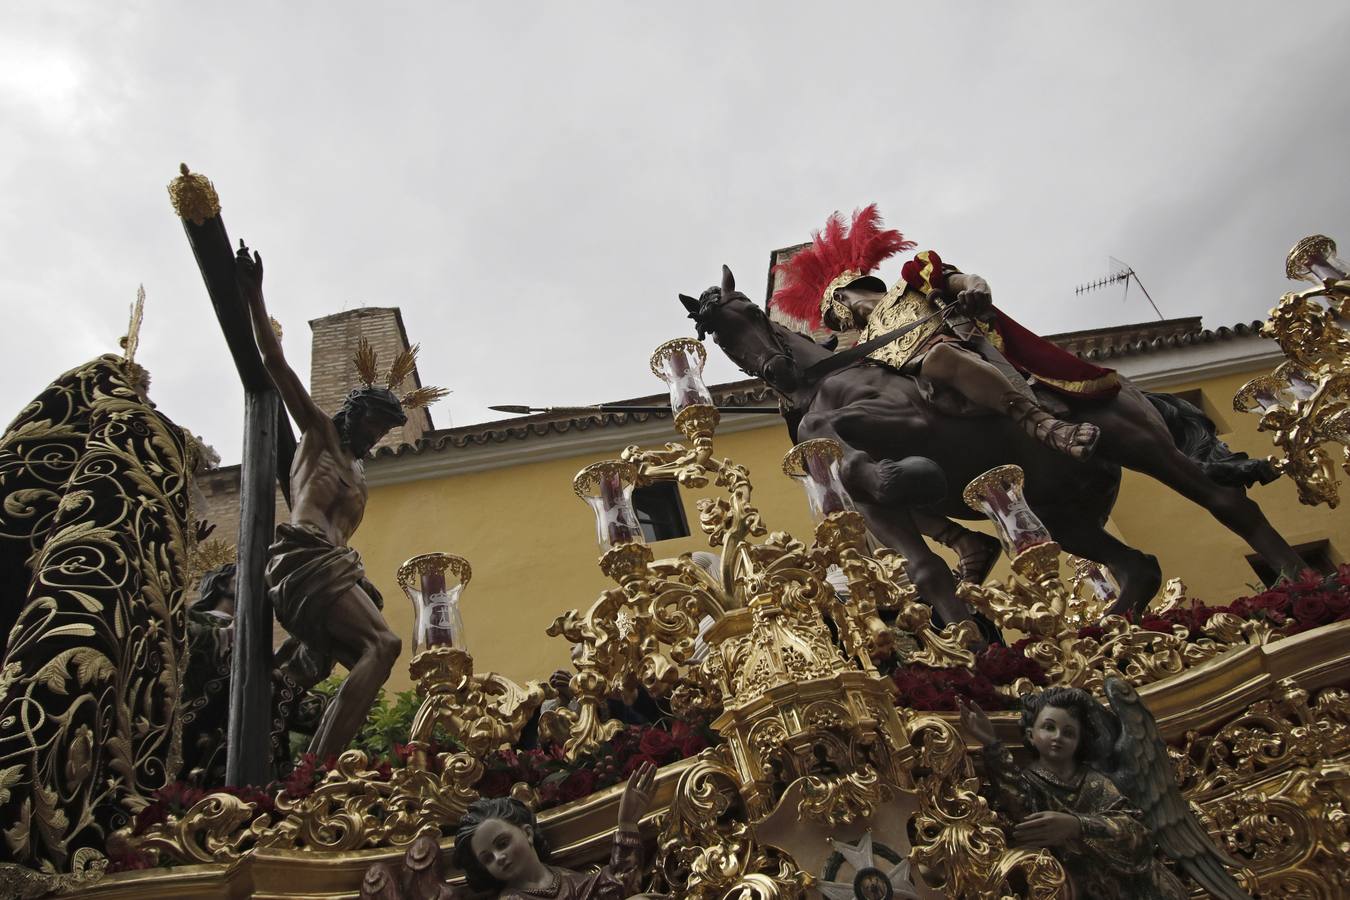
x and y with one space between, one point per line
559 781
1310 601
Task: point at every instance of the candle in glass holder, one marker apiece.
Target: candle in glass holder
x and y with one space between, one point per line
1263 394
434 583
998 494
815 464
1314 260
679 363
607 487
1098 580
1301 385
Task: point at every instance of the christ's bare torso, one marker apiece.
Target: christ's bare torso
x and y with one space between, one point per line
330 487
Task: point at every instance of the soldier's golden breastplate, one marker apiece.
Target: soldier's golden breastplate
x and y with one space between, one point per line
900 307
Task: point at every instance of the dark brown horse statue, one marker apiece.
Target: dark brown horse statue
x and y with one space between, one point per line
906 461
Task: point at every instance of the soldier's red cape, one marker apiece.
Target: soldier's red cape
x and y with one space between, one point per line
1052 366
1030 354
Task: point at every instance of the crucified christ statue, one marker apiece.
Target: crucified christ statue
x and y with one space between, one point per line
315 581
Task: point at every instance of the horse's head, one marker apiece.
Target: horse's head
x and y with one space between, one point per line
759 347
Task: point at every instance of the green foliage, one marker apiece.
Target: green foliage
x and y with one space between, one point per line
388 723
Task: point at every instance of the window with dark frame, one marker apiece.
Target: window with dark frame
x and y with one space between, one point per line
660 511
1316 555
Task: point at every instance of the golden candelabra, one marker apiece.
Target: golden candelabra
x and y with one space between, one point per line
1305 402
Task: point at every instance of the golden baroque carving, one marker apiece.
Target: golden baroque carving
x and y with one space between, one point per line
707 850
958 846
481 712
1035 602
352 808
1305 402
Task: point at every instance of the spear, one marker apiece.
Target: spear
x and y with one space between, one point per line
622 408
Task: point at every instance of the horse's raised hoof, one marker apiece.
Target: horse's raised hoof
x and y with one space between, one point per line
912 481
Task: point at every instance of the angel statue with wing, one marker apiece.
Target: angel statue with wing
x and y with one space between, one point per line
1100 795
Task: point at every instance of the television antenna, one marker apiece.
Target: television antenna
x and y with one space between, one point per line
1121 272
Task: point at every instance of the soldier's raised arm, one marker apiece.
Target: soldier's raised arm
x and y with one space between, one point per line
307 415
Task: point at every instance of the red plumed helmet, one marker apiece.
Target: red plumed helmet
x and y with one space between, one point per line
835 258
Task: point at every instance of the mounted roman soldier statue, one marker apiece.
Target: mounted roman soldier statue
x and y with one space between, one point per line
956 338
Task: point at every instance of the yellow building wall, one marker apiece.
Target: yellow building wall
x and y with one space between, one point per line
532 544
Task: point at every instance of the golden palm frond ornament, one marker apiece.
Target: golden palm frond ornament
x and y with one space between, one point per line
367 370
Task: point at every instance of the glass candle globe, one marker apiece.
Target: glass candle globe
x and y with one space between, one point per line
607 487
815 465
998 494
1314 260
434 583
679 363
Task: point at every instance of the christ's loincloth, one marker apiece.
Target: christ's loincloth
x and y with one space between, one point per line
306 574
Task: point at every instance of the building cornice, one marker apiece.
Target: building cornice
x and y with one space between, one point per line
1152 355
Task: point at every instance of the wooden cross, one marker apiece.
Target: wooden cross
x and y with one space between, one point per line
269 447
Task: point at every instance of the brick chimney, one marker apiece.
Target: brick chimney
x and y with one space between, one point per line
332 374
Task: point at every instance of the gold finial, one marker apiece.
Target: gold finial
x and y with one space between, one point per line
194 198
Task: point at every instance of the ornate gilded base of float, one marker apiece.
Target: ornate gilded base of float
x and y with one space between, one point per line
1261 738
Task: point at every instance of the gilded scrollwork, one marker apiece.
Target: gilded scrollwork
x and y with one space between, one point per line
959 847
481 712
841 799
1272 784
1305 402
707 849
93 668
353 807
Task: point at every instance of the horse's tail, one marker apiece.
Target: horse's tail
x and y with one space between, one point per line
1195 435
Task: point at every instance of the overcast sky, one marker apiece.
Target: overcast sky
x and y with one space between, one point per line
534 182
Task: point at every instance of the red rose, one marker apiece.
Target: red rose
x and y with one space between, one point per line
923 696
1311 611
656 743
635 762
496 783
153 814
1309 579
1156 623
693 744
580 783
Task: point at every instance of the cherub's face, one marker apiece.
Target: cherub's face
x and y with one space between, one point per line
1055 735
506 851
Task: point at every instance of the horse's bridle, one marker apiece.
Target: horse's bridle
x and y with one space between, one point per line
782 348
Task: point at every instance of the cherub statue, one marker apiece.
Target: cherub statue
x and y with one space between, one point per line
1100 795
500 847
